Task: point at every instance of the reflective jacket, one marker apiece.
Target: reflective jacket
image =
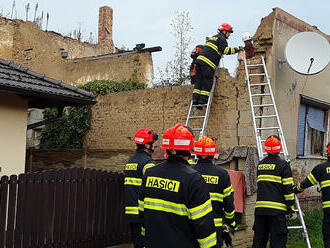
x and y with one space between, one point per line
275 186
221 191
214 48
134 170
320 174
175 207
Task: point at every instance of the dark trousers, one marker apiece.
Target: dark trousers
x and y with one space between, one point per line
137 238
219 237
270 225
326 230
203 83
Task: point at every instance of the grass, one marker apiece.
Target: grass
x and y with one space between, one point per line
313 221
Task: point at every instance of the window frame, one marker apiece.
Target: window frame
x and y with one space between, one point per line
315 103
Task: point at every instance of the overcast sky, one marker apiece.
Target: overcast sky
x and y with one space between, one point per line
146 21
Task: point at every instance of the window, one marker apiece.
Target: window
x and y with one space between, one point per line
312 127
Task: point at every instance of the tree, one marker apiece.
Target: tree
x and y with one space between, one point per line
176 71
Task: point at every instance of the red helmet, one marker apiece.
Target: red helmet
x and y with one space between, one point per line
205 146
145 135
226 27
178 138
273 145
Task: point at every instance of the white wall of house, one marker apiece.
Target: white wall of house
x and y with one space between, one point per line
13 122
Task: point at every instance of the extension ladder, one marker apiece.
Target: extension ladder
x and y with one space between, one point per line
266 119
201 128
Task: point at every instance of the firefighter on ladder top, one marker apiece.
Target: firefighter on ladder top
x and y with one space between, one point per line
208 60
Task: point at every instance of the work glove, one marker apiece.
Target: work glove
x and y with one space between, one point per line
291 213
240 48
297 189
233 227
227 236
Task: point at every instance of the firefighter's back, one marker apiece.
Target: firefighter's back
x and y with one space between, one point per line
175 204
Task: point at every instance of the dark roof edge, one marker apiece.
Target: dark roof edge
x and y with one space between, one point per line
110 55
45 78
29 92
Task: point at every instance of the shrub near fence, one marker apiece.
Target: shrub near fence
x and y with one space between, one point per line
63 208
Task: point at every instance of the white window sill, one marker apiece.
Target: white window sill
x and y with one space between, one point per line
312 157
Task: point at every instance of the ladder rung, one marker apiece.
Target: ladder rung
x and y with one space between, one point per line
197 117
267 128
295 227
255 85
199 105
263 105
196 129
255 65
264 94
257 74
264 116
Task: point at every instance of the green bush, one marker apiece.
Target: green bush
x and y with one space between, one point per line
70 130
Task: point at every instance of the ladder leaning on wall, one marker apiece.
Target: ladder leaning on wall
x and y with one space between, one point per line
265 112
200 126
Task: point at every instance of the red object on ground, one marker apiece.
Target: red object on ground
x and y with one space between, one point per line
238 181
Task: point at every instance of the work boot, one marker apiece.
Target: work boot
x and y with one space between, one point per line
195 98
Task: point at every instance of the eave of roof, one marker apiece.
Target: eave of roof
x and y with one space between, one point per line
40 89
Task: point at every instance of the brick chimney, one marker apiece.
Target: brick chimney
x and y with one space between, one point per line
105 29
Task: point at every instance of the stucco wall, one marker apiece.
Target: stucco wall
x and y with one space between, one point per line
13 115
289 84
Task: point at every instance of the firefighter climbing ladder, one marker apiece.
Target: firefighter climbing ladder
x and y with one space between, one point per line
264 110
206 112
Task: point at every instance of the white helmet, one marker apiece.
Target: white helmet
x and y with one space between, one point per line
246 36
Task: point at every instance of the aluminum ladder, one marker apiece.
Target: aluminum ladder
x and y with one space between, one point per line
205 112
266 119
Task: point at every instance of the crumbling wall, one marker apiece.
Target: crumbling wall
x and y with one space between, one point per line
113 66
24 43
6 38
161 108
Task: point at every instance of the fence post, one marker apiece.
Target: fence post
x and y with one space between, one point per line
3 209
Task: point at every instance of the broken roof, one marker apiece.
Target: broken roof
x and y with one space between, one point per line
40 90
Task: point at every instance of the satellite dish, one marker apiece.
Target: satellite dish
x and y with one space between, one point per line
307 53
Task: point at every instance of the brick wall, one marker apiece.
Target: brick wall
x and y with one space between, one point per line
105 28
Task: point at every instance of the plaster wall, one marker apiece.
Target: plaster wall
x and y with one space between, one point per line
13 116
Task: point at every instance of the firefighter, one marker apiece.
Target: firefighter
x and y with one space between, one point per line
134 169
208 60
320 174
219 186
174 202
275 197
194 54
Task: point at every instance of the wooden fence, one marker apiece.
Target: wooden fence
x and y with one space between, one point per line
73 207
